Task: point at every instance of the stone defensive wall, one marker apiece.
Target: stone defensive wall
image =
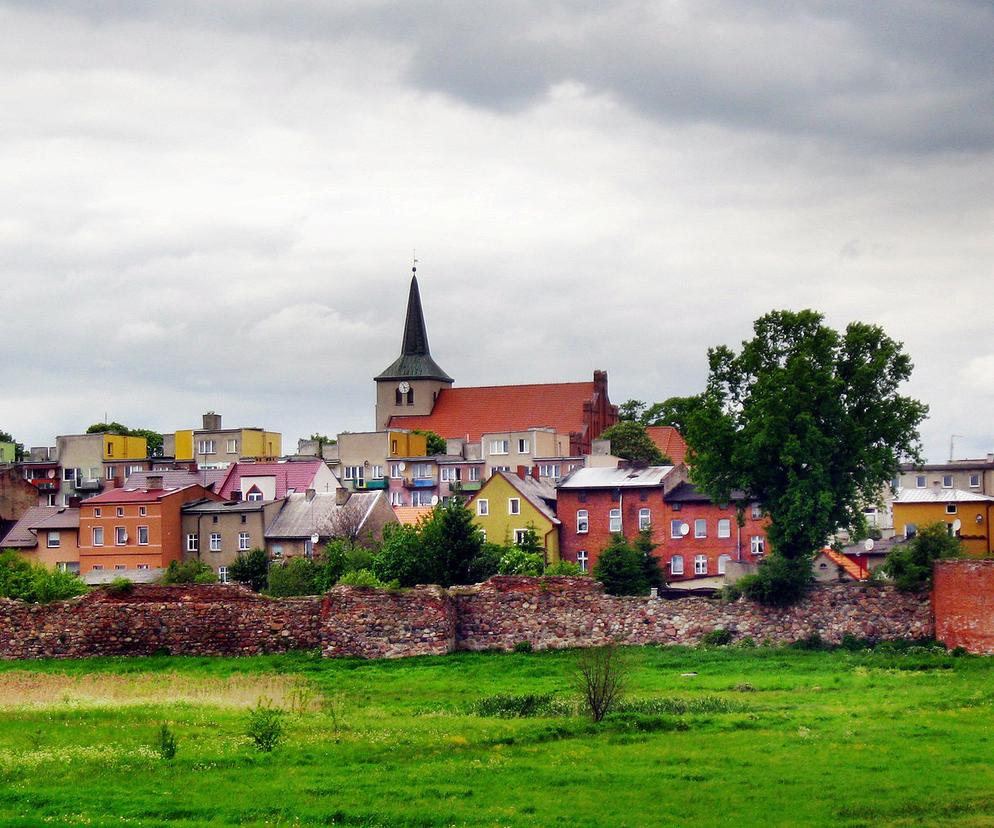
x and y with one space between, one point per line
498 614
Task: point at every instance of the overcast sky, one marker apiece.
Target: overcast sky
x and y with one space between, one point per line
214 205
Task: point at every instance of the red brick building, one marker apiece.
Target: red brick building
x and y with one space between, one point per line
695 537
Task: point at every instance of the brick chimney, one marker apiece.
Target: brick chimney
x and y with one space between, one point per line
342 496
522 472
535 472
236 496
309 495
212 421
153 482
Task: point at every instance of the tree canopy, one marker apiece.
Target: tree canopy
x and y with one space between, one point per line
153 439
5 437
807 421
436 444
631 441
674 411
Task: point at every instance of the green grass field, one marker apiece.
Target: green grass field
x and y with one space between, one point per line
756 737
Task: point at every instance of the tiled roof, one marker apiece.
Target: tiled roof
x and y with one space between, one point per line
301 518
298 476
849 566
176 478
688 493
669 441
410 515
459 412
222 506
133 495
934 495
56 517
606 477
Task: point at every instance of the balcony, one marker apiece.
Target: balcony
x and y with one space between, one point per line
46 485
467 486
83 485
377 483
421 483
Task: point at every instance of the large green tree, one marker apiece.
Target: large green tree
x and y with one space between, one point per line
673 411
153 439
809 422
630 440
5 437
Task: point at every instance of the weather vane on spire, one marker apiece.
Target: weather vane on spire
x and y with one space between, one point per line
414 264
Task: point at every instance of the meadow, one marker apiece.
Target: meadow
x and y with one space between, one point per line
722 736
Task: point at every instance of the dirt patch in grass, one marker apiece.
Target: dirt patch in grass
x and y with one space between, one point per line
20 689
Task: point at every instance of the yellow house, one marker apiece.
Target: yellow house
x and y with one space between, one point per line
508 504
215 447
967 514
121 447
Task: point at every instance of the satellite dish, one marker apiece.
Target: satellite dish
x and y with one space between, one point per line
957 525
434 500
684 529
868 544
403 466
366 464
315 538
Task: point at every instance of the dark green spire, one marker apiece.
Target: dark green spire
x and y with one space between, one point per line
415 360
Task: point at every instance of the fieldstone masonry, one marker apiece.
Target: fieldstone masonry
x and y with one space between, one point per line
428 620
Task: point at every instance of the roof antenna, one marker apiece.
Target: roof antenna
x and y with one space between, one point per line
414 264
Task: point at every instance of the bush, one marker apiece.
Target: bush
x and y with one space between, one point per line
716 638
486 563
510 706
779 582
25 581
910 564
523 647
294 577
564 568
188 572
120 586
812 642
265 725
518 561
251 569
365 578
619 568
600 677
853 644
166 745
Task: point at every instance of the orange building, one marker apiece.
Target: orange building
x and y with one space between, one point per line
967 515
135 528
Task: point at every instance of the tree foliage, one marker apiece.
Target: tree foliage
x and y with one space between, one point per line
631 441
436 443
251 569
910 564
629 568
519 561
5 437
25 581
674 411
188 572
153 439
296 576
808 422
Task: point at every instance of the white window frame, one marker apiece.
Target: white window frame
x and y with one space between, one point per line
120 511
222 574
945 484
421 471
474 474
951 509
109 473
376 472
583 560
698 531
68 475
120 535
675 526
614 522
582 521
519 536
514 505
142 511
645 518
243 541
232 446
756 511
142 566
205 447
920 481
499 446
97 536
254 497
974 481
757 545
97 567
524 446
192 542
395 472
142 530
54 540
700 564
913 530
215 542
97 512
676 565
724 528
482 507
723 563
396 498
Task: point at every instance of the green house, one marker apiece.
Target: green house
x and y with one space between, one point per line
7 452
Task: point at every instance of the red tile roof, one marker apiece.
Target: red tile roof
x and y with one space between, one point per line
133 495
669 441
410 515
298 475
459 412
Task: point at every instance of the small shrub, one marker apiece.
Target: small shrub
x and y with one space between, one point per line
523 647
120 586
747 642
730 592
853 644
34 583
166 744
564 568
294 577
958 652
188 572
365 578
519 561
910 564
716 638
812 642
511 706
600 676
779 581
265 725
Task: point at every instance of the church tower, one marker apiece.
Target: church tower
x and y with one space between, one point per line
411 383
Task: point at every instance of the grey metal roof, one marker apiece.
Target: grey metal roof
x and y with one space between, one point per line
614 478
688 493
539 493
934 495
218 507
300 517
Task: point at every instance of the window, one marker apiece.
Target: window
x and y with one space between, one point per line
550 470
354 473
396 499
483 507
614 520
582 522
110 449
376 472
676 565
520 535
214 518
950 508
474 474
143 566
222 574
410 397
65 500
700 564
920 481
243 541
514 505
450 474
974 481
676 529
422 471
142 511
133 469
757 545
483 535
523 447
502 469
54 540
205 447
676 507
700 528
395 471
98 536
143 536
120 511
215 542
498 446
582 560
120 535
947 481
192 543
421 498
51 500
722 563
98 567
757 511
119 567
244 518
109 473
308 548
645 519
253 495
96 511
910 530
724 528
69 474
232 446
393 446
581 496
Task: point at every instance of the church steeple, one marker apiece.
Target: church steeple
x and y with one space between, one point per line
415 360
